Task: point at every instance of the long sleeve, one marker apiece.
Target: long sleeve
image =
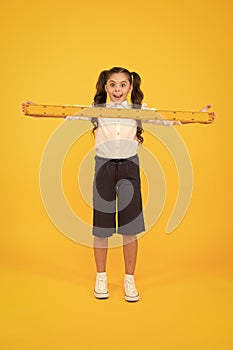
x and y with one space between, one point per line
77 117
73 117
163 122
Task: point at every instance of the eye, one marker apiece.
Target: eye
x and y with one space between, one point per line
111 84
123 85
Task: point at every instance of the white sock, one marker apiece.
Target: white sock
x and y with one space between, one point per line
129 278
102 275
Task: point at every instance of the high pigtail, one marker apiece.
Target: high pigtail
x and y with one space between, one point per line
136 98
100 97
101 94
136 94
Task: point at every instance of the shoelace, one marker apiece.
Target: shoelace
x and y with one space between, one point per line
130 286
102 285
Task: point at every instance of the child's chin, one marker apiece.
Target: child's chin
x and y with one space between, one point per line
119 100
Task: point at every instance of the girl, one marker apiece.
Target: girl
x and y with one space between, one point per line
117 176
116 186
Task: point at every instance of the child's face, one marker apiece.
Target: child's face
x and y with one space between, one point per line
118 87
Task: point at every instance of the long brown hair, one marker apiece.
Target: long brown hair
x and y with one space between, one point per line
100 97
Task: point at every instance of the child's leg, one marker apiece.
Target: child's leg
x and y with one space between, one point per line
130 248
100 252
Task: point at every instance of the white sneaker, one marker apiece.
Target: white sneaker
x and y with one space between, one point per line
101 288
131 293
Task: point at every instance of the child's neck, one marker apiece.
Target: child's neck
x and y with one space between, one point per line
125 101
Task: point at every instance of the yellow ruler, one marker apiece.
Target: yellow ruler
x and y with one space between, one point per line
57 111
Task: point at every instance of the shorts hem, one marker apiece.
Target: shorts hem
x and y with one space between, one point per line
131 233
101 235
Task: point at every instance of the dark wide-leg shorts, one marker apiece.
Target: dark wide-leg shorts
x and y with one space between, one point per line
117 197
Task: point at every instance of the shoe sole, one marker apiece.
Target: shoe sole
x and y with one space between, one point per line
131 299
101 295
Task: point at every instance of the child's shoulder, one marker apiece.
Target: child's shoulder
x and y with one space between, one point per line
144 106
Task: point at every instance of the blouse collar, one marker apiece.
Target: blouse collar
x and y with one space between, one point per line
123 104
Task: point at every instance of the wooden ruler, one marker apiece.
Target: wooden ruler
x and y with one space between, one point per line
57 111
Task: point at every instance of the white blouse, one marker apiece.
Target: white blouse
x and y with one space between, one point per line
116 137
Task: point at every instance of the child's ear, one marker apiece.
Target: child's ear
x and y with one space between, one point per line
105 87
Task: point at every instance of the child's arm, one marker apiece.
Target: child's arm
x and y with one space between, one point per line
204 109
72 117
165 122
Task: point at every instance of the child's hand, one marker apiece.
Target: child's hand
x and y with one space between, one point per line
205 109
26 103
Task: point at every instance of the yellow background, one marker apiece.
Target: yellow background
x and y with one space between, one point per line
52 52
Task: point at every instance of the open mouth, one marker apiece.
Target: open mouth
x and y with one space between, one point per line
117 96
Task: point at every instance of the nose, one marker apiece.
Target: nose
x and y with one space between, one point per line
117 88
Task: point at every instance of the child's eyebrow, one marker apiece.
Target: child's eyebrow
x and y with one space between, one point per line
113 81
